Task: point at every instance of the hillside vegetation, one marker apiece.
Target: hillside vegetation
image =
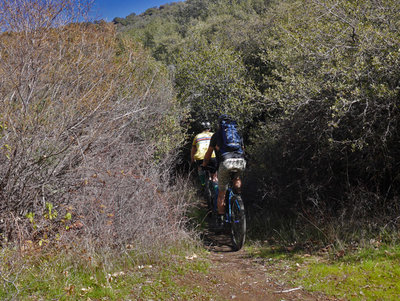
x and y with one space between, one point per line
94 117
96 121
315 87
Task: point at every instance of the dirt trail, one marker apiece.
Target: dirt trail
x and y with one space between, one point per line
237 276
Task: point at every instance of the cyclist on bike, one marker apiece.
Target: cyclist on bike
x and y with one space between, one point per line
199 148
230 160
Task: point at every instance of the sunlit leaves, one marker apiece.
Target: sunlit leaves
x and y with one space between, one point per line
211 80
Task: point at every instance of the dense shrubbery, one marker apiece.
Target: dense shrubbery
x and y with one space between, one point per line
338 85
316 85
81 150
211 80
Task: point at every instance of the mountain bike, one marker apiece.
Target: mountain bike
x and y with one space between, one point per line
235 216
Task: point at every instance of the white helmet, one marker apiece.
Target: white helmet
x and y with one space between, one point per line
205 125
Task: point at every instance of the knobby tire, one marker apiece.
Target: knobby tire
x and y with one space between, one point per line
238 222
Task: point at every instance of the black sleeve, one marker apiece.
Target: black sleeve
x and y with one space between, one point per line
213 141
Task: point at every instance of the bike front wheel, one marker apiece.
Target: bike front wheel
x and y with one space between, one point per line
238 222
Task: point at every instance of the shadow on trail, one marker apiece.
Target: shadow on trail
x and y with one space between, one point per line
216 240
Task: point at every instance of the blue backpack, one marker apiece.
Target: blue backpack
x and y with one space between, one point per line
231 140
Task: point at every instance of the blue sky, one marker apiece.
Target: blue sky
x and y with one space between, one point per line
109 9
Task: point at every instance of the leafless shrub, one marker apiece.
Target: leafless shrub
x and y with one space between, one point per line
30 16
131 208
87 128
129 201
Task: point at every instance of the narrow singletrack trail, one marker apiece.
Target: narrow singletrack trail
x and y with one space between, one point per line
238 276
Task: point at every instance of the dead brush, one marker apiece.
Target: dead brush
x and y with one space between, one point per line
87 135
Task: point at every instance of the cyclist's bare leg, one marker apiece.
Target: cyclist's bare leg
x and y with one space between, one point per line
221 201
237 184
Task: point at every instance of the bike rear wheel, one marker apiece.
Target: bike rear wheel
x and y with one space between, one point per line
238 222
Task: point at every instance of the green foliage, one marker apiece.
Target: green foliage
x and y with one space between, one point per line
211 81
335 146
46 229
314 84
169 25
50 214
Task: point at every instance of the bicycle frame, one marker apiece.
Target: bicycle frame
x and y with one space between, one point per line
235 216
228 210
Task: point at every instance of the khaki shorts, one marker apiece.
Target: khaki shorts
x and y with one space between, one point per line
234 166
